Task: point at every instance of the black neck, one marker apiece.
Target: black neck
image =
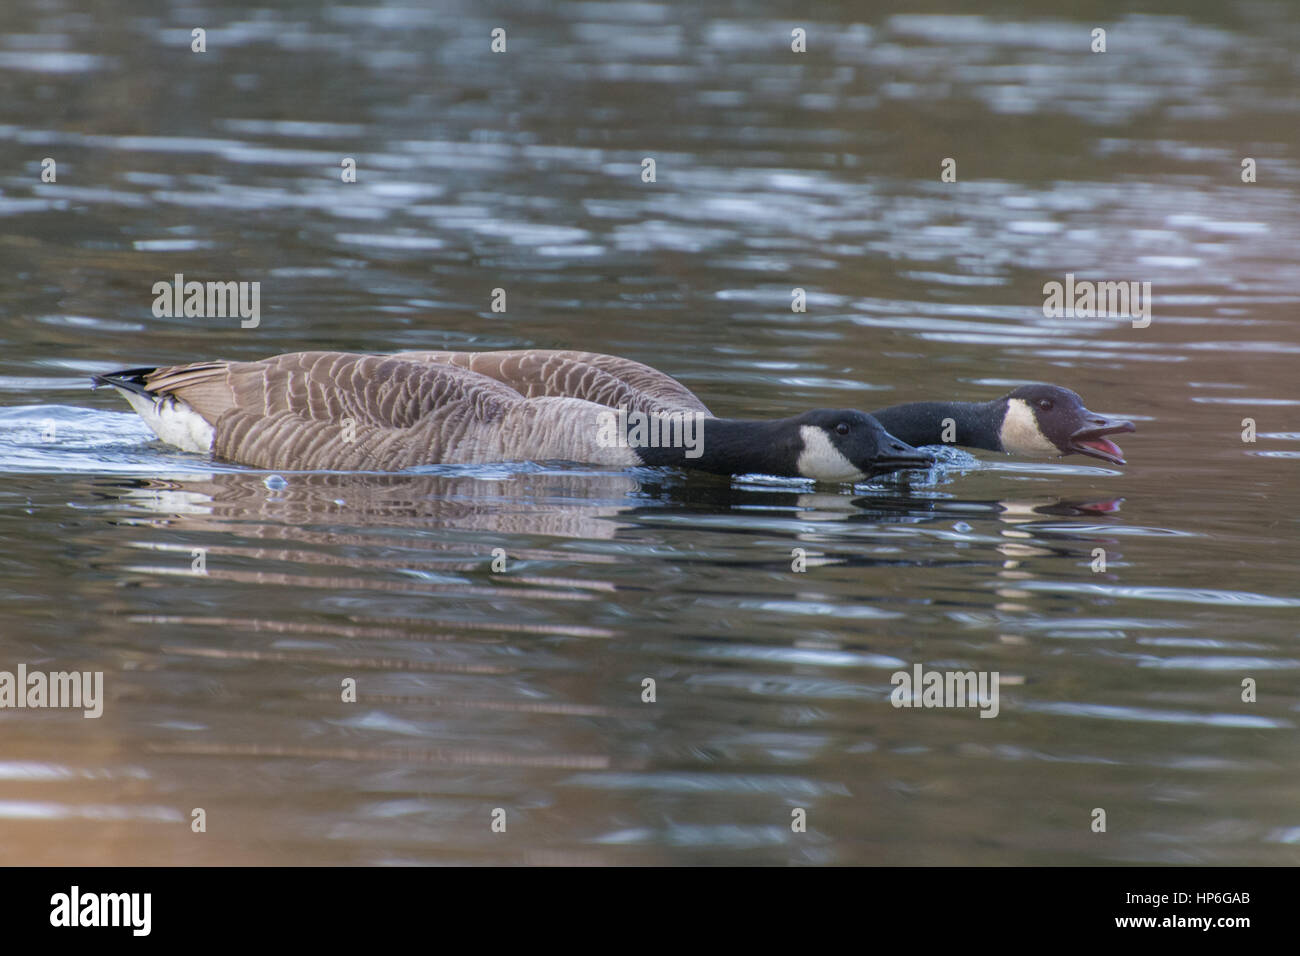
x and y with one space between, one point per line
978 424
732 446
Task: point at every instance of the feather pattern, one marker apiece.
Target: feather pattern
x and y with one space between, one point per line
344 411
604 379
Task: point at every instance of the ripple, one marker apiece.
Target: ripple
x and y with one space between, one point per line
49 810
382 241
709 783
38 61
1146 715
798 655
1179 595
1200 663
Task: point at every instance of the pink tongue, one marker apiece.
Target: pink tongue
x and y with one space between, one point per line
1103 445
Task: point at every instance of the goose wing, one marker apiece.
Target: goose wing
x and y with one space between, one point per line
336 410
604 379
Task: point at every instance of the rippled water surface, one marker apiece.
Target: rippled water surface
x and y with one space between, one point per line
521 690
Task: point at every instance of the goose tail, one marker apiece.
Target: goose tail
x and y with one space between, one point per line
171 419
128 380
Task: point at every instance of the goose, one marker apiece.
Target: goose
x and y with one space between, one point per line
343 411
1033 421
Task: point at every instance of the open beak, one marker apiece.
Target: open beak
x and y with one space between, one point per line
1091 438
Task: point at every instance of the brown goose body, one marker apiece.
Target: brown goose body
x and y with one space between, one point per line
346 411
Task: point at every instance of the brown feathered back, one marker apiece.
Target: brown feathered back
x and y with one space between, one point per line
343 411
604 379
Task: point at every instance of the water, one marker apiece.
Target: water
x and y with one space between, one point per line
521 689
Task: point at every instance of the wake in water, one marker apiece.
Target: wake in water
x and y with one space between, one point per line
63 439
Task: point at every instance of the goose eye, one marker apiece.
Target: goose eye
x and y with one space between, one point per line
1045 404
842 428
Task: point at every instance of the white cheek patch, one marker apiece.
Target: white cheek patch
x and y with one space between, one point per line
821 460
174 422
1020 434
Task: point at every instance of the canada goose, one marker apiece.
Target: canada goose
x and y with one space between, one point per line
342 411
1037 421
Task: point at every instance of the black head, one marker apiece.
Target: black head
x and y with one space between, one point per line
1047 420
848 445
